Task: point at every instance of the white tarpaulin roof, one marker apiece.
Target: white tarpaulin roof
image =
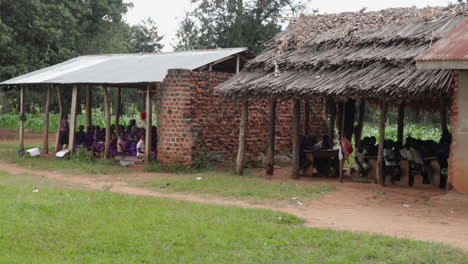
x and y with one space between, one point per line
122 68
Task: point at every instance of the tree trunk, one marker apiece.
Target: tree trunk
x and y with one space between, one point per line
22 114
149 113
73 114
380 157
58 145
306 118
296 142
242 138
270 155
401 122
89 105
108 123
46 120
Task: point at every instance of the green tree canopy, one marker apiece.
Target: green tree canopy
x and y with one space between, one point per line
233 23
145 37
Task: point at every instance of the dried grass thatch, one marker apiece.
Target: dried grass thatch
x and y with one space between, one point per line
363 55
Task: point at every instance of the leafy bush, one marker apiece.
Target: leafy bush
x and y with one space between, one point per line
412 130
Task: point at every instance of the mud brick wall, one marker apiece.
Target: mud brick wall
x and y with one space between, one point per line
194 120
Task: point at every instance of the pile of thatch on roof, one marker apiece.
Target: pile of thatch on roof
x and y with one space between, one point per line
366 55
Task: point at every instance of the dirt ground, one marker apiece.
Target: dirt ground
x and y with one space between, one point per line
420 213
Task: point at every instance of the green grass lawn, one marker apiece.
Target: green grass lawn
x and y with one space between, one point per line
9 152
222 184
61 225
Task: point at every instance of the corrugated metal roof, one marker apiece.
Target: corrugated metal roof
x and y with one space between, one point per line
453 47
122 68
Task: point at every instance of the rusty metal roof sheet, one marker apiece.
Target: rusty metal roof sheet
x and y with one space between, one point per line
123 68
452 47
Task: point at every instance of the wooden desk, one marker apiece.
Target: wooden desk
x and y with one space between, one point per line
312 155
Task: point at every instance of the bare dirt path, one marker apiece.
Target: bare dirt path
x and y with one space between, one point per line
432 215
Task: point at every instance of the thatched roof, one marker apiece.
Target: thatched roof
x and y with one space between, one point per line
367 55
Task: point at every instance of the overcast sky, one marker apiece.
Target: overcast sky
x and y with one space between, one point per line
168 13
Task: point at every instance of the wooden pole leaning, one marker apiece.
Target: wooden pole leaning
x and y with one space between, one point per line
108 123
331 122
46 120
270 151
118 107
149 113
296 141
444 115
58 145
22 115
73 115
401 122
240 161
360 126
342 130
89 105
380 157
306 117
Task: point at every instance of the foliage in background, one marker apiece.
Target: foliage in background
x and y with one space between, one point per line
35 122
233 23
418 131
37 34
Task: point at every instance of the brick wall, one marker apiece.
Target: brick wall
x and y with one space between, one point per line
193 119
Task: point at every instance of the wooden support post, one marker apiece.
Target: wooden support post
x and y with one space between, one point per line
73 114
240 161
118 107
22 114
143 100
237 64
108 123
380 158
444 115
149 113
296 141
342 128
270 153
58 145
306 118
339 120
360 125
401 122
89 105
46 121
331 122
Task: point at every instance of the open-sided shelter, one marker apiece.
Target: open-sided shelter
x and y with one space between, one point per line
191 119
451 53
141 71
365 56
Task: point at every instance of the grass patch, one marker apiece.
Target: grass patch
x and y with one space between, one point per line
9 152
237 187
55 225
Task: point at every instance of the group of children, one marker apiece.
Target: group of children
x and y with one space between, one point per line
125 140
417 152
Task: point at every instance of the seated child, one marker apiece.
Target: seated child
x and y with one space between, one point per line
360 163
391 163
81 137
